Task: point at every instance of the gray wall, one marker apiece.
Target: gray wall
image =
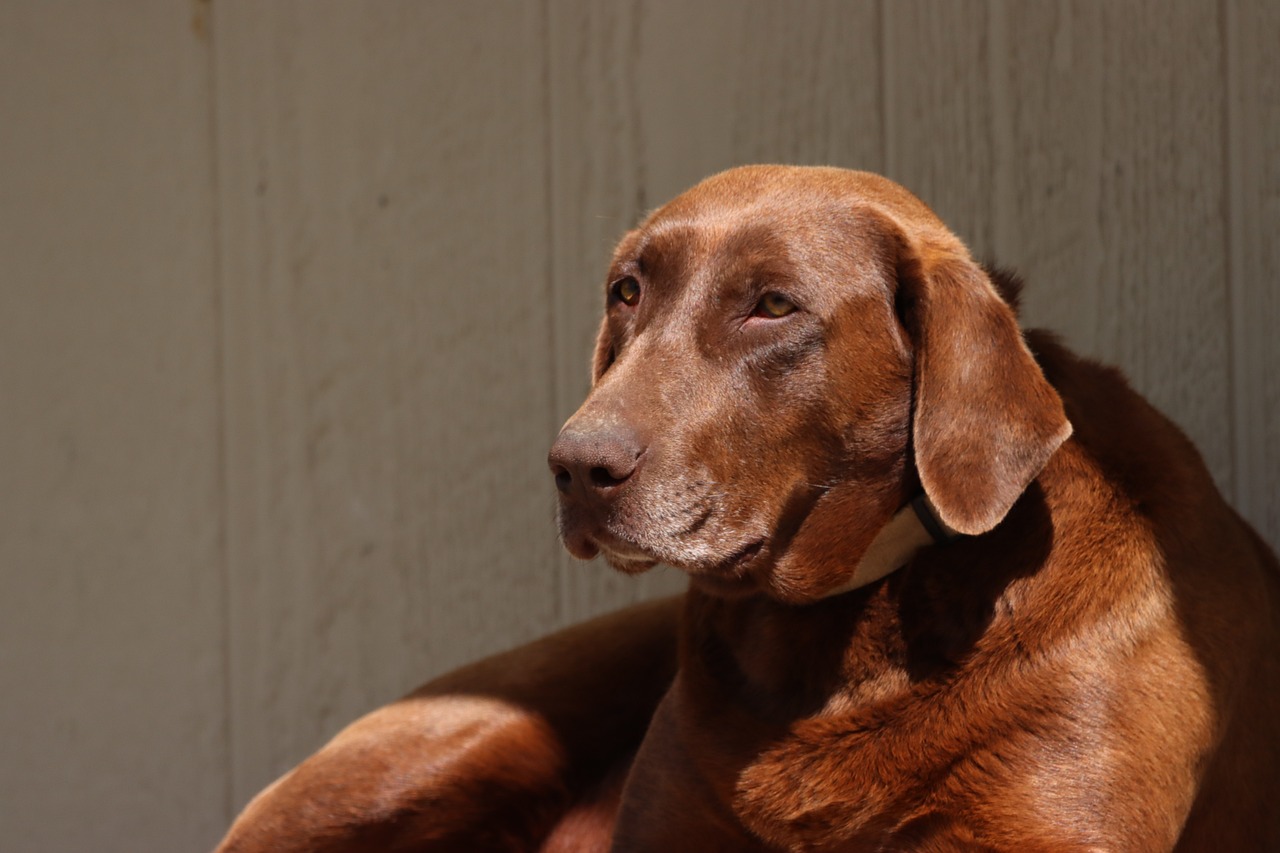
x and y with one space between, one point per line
294 295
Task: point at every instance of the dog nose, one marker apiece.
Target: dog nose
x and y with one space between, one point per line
593 464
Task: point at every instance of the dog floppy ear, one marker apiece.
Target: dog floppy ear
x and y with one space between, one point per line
985 418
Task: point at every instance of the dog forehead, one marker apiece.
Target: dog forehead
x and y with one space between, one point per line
797 187
798 196
685 247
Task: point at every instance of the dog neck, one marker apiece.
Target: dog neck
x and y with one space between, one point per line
914 526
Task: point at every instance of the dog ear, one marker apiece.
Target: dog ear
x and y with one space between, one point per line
985 418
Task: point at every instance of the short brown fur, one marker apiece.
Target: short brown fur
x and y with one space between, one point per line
1092 667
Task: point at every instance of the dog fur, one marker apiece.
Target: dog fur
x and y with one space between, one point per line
1091 666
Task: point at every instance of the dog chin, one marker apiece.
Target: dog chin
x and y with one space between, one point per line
725 574
734 575
628 565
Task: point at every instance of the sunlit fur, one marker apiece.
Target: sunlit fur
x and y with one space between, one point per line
1095 666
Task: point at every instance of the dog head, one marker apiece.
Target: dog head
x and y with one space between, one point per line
788 355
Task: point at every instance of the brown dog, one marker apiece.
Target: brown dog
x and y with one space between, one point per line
800 372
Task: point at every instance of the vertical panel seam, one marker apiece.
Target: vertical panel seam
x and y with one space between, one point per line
1000 130
1231 200
221 452
886 85
635 115
560 593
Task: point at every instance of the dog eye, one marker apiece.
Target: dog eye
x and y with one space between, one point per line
774 305
627 290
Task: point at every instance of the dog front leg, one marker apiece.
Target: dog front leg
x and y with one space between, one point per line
486 758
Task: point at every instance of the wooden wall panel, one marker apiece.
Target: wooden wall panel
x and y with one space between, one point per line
1083 144
111 601
939 111
649 98
1048 74
238 515
1162 309
388 340
1253 32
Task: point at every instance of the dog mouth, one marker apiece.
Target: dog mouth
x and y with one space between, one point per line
696 539
631 555
622 554
587 540
731 577
735 570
